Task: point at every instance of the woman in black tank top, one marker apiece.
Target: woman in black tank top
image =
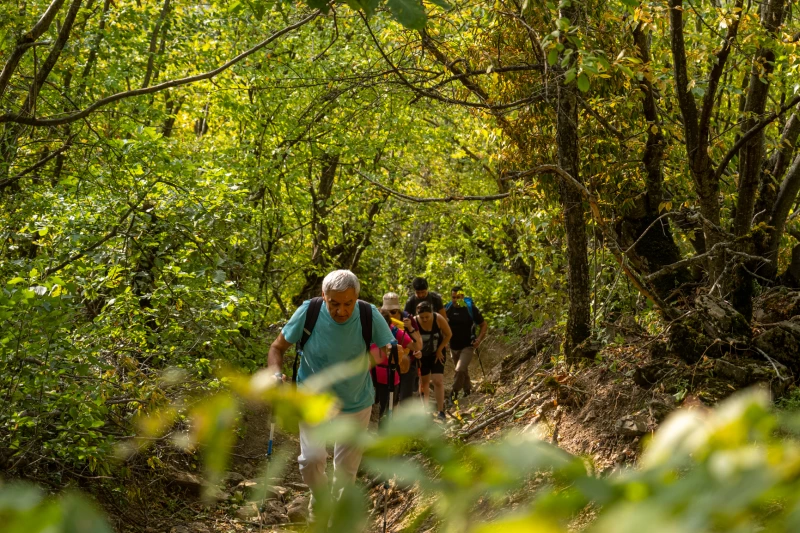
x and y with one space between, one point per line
435 334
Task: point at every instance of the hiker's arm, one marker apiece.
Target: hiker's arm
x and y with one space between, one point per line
481 334
416 337
443 313
446 332
276 351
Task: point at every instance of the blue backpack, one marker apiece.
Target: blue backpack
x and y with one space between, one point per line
468 301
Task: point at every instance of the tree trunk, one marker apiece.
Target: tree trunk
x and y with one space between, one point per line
579 315
752 153
657 249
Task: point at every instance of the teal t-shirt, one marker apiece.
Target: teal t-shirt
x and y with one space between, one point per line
331 343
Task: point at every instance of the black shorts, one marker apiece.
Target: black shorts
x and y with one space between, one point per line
429 365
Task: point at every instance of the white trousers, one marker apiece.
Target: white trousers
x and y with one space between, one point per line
313 457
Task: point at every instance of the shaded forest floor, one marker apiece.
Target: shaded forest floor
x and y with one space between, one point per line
600 410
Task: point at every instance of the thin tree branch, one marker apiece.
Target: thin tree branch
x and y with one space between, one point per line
72 117
151 52
39 164
26 41
444 199
603 122
750 133
108 236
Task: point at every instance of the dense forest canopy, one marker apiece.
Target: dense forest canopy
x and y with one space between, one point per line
175 177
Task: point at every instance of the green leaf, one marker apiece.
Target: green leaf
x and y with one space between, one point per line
570 75
322 5
441 3
370 6
583 82
14 281
552 56
410 13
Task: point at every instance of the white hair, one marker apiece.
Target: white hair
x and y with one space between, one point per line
340 280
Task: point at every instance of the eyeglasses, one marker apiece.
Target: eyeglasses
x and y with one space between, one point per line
394 312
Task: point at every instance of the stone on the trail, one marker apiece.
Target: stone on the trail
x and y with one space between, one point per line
648 375
298 509
256 488
274 507
711 330
246 484
745 371
659 409
233 478
721 320
631 426
186 481
301 487
782 344
728 370
776 304
248 511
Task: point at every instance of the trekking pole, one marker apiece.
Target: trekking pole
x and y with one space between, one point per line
478 351
390 387
263 507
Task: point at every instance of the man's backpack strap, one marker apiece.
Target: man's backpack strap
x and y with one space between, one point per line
468 302
365 314
312 314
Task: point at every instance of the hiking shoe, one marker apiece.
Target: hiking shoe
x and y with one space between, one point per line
441 416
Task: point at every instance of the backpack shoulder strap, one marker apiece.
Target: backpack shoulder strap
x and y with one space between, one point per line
312 314
448 305
468 301
365 314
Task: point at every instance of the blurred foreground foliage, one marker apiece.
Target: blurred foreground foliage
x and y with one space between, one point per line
734 468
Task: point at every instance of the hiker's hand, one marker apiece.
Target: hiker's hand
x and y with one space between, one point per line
439 356
476 343
418 354
407 323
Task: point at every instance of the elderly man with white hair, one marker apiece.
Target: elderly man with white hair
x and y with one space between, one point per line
335 335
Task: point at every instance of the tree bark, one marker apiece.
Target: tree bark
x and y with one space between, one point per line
751 154
8 140
657 249
578 288
696 125
26 41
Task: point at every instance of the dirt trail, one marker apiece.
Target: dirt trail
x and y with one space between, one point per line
249 463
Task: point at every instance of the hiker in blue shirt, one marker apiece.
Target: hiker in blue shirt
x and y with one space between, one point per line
340 332
464 316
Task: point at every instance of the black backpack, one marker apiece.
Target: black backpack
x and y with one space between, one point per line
312 313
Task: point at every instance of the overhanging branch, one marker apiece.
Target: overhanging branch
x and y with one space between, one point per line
443 199
72 117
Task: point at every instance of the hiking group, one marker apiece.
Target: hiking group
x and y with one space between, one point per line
407 348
